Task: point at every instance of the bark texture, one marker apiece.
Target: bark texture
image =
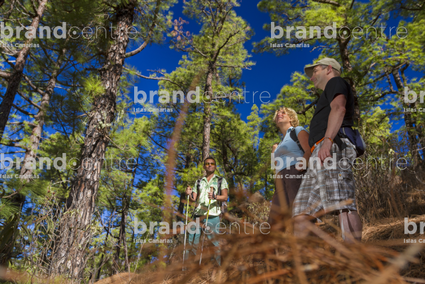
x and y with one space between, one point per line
70 258
207 115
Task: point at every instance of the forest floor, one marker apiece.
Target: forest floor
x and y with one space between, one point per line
384 256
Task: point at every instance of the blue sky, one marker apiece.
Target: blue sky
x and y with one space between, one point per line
269 74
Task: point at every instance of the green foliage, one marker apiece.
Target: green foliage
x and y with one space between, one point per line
131 184
93 86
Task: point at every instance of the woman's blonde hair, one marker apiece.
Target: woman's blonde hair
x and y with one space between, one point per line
293 117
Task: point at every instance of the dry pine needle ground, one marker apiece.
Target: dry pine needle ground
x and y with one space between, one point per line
280 258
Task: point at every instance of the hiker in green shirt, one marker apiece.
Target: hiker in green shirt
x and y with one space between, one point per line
207 189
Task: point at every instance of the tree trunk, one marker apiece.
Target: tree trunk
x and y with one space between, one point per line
70 258
228 171
121 238
99 270
182 203
126 261
408 119
347 68
30 153
15 78
207 115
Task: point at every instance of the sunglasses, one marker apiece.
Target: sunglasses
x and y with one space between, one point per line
207 164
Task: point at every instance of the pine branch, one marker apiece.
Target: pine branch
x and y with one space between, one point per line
25 11
328 2
305 109
7 51
20 109
148 37
383 95
14 152
23 111
33 86
4 74
16 131
189 50
11 143
420 7
154 78
34 7
234 66
225 42
22 123
29 100
198 51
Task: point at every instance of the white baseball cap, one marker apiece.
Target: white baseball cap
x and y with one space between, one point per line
308 69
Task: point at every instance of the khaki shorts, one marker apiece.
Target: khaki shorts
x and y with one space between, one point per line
325 187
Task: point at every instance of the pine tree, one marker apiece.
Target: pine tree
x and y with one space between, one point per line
218 46
15 75
70 257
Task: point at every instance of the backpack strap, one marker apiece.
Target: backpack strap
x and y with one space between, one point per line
220 180
293 135
339 142
220 203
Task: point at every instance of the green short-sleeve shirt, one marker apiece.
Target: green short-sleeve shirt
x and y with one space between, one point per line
204 188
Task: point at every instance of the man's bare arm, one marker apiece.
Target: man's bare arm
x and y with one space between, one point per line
189 192
223 196
336 116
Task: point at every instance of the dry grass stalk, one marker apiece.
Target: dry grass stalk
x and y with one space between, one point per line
267 258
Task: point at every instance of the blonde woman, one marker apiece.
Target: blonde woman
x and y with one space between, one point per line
289 169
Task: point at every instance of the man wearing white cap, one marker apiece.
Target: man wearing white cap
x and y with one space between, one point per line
331 183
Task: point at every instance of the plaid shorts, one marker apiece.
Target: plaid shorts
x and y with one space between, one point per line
327 185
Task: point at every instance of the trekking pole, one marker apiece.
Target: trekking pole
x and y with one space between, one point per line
203 239
185 231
